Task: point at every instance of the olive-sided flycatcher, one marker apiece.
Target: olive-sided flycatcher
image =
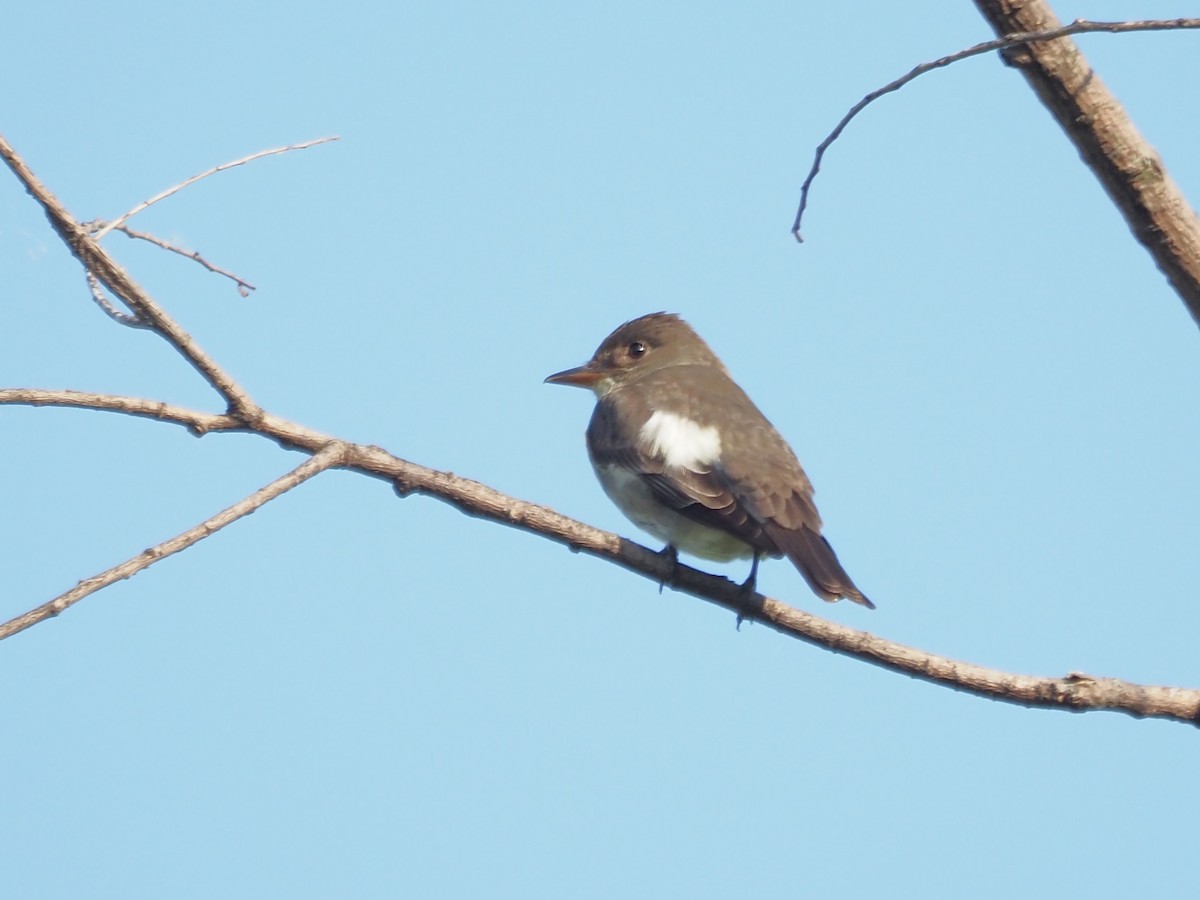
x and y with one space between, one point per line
687 456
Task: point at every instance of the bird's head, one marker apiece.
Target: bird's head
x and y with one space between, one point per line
644 345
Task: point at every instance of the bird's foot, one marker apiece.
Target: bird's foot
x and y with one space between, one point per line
748 589
750 585
671 553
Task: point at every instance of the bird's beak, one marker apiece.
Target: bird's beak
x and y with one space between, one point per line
581 376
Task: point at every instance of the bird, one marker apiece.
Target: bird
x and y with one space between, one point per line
685 454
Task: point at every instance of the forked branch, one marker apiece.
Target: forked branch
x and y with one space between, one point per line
1073 692
1128 167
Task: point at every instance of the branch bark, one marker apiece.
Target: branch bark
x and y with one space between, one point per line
327 457
1128 167
95 260
1076 692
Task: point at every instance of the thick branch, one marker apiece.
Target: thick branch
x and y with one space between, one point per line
198 423
1073 692
327 457
1128 167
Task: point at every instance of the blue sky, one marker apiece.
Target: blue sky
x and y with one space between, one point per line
990 384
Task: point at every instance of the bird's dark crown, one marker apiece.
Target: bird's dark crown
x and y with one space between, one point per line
653 342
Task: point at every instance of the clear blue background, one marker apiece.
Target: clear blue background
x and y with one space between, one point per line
991 385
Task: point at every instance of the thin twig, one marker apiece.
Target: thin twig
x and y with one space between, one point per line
1075 692
94 226
1079 26
145 204
95 259
327 457
129 320
244 287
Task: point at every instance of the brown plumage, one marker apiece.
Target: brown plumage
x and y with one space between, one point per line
687 456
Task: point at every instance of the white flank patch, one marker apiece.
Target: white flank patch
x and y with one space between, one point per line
681 442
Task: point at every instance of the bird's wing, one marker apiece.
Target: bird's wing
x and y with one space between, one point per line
701 492
770 484
755 489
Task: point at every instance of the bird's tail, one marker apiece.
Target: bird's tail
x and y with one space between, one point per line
811 554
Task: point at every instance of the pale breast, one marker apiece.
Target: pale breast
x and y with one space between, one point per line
639 504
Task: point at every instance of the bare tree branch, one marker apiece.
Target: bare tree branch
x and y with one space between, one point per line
327 457
95 259
199 423
244 287
1126 165
1128 168
1075 691
174 189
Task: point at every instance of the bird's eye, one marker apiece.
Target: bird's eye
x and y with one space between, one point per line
637 349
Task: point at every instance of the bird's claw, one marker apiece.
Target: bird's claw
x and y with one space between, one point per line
669 552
